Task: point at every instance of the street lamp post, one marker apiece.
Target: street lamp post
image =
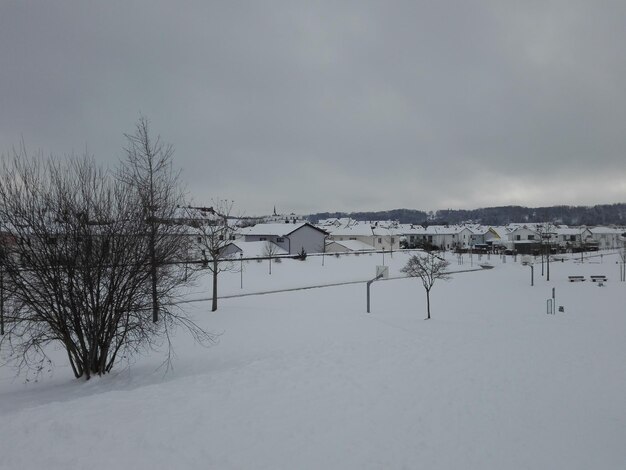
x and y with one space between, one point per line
541 250
241 268
547 236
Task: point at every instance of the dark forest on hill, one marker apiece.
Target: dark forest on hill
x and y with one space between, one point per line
604 214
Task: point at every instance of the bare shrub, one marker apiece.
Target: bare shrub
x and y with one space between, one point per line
78 266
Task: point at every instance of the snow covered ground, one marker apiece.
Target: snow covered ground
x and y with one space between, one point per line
308 380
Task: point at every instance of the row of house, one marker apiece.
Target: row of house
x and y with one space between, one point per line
529 238
291 235
521 238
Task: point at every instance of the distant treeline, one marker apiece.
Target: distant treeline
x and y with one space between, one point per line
605 214
404 216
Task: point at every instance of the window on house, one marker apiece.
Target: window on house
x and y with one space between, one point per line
352 238
531 237
221 237
262 239
380 240
280 240
518 237
392 240
199 239
232 237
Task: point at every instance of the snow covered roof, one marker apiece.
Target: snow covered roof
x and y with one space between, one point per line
196 213
353 245
515 225
501 231
278 230
477 227
385 231
607 230
444 230
333 221
570 231
257 249
408 229
358 230
524 227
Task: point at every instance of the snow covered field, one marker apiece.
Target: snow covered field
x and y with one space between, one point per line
308 380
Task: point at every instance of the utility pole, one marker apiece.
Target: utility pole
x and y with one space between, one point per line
541 249
547 236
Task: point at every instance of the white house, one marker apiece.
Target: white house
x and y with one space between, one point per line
569 238
378 238
523 239
523 234
497 236
344 246
250 250
446 237
293 238
412 234
606 237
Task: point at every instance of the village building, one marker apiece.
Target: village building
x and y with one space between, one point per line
293 238
445 237
247 250
377 237
607 238
345 246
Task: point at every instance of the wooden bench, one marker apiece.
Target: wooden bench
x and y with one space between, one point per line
601 278
576 278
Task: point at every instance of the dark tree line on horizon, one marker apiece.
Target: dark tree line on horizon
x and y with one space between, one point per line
603 214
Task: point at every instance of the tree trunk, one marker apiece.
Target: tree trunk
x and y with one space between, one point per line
1 303
214 303
428 304
153 276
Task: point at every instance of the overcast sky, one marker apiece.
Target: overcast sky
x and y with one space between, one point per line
329 105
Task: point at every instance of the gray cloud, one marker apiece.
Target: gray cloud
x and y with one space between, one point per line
333 105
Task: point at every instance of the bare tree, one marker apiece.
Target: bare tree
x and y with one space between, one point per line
149 172
269 251
214 233
429 269
78 267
